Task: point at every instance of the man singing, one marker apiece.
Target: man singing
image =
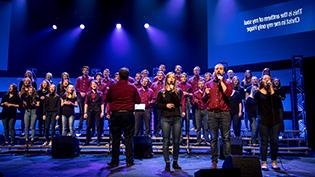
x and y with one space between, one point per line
217 94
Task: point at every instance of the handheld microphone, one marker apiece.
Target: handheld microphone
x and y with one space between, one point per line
219 77
171 86
268 85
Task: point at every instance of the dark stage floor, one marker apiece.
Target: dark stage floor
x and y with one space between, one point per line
95 165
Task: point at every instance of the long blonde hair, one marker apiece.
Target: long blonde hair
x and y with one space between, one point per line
167 84
73 95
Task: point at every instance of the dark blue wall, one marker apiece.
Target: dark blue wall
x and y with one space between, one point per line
180 35
5 16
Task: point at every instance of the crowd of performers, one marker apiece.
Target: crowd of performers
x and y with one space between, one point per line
215 102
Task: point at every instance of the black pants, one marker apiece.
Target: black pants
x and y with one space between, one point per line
193 110
146 115
157 119
122 122
50 121
272 134
8 124
22 111
81 106
236 124
41 122
94 116
186 119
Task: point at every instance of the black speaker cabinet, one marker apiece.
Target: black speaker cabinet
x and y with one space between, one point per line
248 165
142 147
65 147
229 172
236 147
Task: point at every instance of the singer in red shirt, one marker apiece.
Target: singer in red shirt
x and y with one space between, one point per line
217 94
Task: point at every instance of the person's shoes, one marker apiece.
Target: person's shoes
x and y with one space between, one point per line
197 143
5 143
214 164
50 143
168 166
112 164
176 166
208 143
183 143
32 141
26 142
274 165
148 135
130 164
264 166
46 143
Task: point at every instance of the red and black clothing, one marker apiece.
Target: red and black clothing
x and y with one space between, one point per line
146 95
122 98
157 87
82 84
219 116
94 100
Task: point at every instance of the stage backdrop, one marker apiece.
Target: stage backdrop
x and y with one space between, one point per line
177 35
5 16
245 31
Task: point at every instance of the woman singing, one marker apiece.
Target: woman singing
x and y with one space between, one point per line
169 101
270 121
9 103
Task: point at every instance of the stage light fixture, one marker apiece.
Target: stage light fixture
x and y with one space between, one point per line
82 26
146 26
54 27
118 26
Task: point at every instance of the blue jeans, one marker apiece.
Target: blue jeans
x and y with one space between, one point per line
202 121
29 119
219 121
67 125
169 124
8 125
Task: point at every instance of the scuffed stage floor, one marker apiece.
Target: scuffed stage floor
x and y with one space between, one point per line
95 165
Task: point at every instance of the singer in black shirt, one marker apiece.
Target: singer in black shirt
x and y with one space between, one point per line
51 113
268 111
9 103
169 101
